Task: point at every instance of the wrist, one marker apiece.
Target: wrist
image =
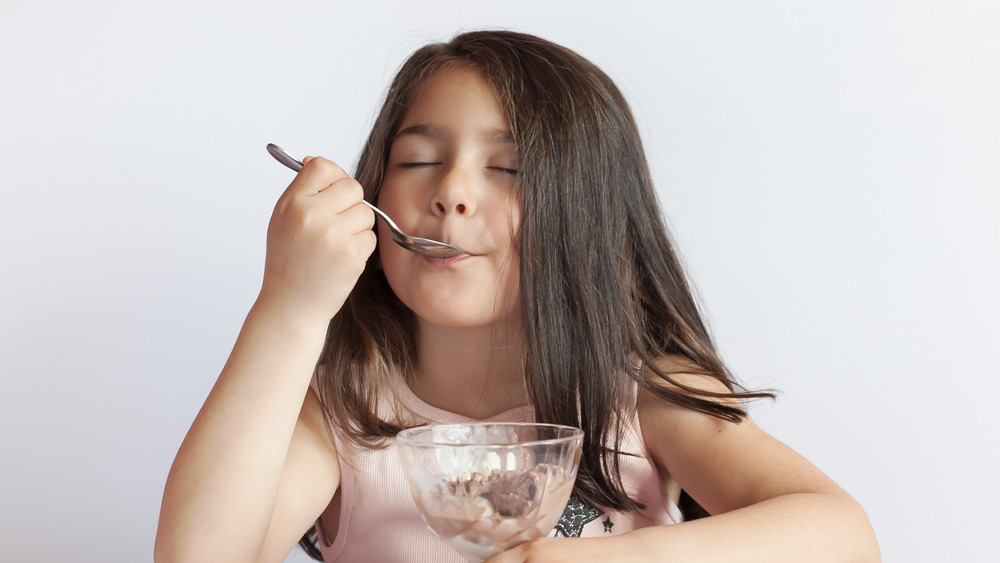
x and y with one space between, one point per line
283 329
290 312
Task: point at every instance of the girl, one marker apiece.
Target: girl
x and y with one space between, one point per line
568 307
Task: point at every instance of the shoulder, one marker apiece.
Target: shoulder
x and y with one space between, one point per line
685 381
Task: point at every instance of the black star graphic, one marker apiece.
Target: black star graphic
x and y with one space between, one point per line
608 524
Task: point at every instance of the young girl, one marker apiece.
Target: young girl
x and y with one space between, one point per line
569 306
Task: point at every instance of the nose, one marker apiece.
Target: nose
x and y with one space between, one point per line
455 193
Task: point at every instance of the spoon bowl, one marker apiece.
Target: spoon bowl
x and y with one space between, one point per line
419 245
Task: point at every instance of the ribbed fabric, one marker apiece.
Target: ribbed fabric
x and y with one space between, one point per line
379 521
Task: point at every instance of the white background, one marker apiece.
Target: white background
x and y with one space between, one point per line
830 170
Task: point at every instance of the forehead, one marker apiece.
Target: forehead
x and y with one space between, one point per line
454 96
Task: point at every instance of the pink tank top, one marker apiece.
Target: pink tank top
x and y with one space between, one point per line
379 521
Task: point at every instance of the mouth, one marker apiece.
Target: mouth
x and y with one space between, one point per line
447 261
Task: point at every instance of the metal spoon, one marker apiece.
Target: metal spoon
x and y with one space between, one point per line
419 245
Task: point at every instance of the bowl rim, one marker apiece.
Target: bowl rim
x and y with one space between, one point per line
405 436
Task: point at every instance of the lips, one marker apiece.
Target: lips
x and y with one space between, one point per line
447 262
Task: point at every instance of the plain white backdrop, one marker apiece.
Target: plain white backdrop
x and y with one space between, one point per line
830 170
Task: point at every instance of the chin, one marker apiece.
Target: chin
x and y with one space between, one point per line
468 317
454 319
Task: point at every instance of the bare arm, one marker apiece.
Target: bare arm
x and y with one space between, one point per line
223 487
768 503
258 466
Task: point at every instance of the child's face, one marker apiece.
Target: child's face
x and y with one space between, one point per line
450 177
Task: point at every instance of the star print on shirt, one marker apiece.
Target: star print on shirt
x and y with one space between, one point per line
574 518
608 524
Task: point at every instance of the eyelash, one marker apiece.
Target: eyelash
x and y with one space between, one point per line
501 169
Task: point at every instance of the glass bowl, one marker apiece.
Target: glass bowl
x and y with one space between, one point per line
486 487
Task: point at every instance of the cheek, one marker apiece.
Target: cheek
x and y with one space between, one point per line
511 222
386 200
403 206
391 193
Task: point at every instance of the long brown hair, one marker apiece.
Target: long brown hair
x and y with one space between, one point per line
603 294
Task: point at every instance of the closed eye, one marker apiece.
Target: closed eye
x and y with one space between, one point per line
417 164
508 171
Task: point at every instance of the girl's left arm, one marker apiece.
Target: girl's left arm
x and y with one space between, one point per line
768 503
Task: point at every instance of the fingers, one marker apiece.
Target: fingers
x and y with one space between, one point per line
317 175
322 184
358 219
340 195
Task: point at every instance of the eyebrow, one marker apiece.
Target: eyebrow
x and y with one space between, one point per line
491 136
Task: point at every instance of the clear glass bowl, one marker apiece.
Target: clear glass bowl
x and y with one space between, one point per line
486 487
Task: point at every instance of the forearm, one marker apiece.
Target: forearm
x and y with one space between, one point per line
796 527
223 484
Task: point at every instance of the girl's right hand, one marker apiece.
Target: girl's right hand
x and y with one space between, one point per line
318 241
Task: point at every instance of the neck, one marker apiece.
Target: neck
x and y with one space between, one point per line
476 373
